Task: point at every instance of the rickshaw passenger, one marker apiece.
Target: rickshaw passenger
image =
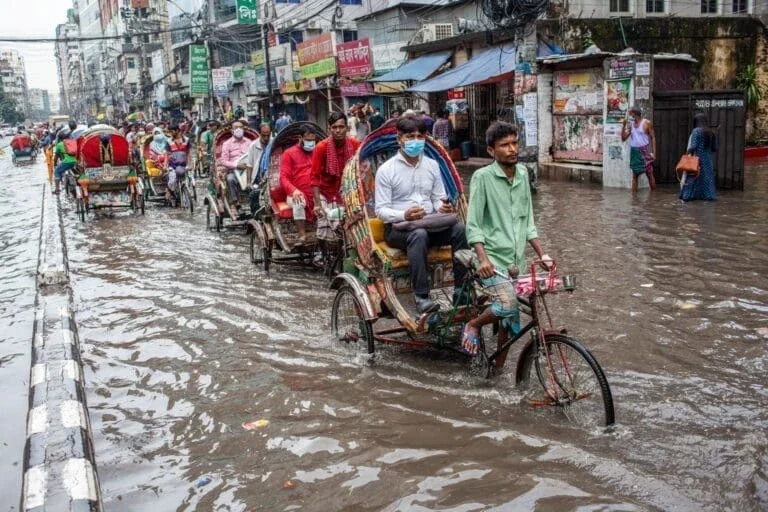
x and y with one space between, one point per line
409 188
295 179
178 157
21 143
231 151
499 223
67 159
330 157
158 154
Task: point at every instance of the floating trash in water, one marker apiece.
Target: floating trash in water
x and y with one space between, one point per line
685 304
647 285
204 480
288 485
762 331
252 425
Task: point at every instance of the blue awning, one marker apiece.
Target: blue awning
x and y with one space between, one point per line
495 61
416 69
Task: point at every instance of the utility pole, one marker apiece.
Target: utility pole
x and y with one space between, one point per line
209 53
267 69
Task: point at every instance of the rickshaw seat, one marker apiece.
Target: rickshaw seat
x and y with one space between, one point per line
398 258
280 206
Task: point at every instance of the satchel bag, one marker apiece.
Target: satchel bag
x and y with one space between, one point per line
432 223
688 164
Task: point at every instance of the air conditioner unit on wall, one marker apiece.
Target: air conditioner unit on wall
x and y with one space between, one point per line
437 31
313 24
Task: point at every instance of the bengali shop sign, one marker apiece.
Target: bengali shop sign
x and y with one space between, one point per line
247 12
320 68
354 58
222 78
258 59
387 57
316 49
356 89
198 70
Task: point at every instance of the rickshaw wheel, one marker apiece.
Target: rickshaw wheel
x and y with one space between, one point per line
480 366
348 326
212 223
260 254
186 200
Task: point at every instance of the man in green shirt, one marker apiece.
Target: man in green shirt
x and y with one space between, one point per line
206 140
62 159
499 223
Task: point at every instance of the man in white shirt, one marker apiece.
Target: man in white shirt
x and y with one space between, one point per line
255 151
409 188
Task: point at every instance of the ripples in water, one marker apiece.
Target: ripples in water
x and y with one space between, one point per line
186 341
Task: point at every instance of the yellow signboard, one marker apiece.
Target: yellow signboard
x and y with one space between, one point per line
389 87
258 59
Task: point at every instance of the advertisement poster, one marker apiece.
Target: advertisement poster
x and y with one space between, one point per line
356 89
198 70
221 78
617 100
354 58
621 68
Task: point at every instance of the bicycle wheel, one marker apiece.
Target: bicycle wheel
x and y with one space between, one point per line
348 326
573 380
186 200
260 254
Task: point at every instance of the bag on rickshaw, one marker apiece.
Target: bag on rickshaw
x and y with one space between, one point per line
70 147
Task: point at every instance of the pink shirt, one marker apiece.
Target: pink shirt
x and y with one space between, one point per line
232 150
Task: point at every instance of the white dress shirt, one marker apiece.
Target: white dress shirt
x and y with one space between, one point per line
399 186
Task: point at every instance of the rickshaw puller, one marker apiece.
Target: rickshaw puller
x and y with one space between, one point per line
499 223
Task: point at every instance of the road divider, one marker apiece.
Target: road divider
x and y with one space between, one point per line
59 460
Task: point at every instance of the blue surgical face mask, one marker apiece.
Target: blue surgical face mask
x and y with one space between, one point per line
413 148
308 145
238 133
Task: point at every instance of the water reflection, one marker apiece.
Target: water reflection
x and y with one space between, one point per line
186 342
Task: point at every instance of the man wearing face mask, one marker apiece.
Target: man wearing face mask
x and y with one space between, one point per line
409 188
295 179
231 152
255 151
330 157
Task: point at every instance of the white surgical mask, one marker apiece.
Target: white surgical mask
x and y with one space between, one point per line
238 133
308 145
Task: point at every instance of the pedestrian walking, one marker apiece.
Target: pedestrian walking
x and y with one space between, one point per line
701 143
443 129
642 144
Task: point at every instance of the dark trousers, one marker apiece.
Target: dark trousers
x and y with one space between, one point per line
416 243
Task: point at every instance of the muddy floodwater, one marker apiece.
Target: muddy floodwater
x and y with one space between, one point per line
185 342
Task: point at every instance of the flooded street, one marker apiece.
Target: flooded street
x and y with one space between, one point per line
184 341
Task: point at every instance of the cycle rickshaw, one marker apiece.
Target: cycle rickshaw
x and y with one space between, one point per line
217 201
273 232
374 288
105 176
155 181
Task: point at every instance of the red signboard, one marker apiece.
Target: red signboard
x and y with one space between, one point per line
456 94
140 4
356 88
354 58
315 49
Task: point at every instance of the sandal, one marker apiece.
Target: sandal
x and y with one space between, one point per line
469 342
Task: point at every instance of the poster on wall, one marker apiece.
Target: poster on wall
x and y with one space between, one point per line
530 115
617 100
578 92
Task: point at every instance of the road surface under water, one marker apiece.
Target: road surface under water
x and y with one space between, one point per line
184 341
20 207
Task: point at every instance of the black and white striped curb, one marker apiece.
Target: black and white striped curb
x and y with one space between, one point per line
59 461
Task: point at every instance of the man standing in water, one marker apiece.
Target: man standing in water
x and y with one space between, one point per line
499 223
642 144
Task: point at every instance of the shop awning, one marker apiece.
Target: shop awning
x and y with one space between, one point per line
491 63
416 69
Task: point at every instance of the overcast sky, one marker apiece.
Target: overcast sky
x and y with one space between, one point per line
34 18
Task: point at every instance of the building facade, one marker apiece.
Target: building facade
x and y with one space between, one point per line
69 61
13 78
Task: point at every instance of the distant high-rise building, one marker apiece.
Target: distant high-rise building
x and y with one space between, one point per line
39 104
69 61
13 78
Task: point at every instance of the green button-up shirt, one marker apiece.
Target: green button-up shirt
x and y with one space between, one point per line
501 214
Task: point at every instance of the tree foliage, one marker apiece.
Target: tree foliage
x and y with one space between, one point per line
8 111
747 81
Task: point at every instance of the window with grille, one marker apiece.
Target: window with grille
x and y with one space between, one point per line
654 5
708 6
619 5
740 6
